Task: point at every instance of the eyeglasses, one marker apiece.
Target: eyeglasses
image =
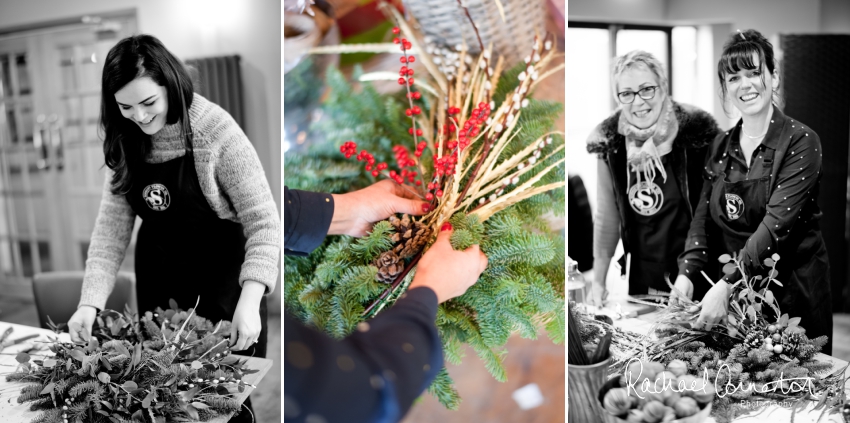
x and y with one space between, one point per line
646 93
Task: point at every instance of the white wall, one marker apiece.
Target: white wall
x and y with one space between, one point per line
199 28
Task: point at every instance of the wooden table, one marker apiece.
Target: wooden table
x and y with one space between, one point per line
774 413
12 412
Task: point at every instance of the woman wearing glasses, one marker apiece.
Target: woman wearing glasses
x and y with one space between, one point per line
651 153
762 182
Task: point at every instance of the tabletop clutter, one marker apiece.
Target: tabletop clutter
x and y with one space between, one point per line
653 373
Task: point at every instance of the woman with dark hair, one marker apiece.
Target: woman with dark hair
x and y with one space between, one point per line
762 181
210 227
651 153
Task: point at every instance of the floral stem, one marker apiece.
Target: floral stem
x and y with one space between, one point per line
471 22
395 283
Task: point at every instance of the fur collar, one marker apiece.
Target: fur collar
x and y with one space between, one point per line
697 129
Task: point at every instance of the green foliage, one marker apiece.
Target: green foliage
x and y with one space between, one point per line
376 242
522 290
442 388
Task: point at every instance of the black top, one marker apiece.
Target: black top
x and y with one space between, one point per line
789 163
374 374
306 219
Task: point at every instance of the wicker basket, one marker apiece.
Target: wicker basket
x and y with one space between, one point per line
447 25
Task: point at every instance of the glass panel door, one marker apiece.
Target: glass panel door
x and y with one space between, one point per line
51 159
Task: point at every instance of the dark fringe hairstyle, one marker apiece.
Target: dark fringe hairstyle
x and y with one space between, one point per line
738 54
125 146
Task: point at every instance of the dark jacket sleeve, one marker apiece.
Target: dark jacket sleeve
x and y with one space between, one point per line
306 219
373 375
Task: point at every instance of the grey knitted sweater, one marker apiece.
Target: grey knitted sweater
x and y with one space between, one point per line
233 182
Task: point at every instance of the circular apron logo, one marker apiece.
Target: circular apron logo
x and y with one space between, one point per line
157 197
646 198
734 206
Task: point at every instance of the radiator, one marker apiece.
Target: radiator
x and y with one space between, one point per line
219 79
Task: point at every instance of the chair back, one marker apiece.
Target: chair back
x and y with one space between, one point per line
57 294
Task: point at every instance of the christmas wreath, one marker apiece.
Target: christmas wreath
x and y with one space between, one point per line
467 138
167 365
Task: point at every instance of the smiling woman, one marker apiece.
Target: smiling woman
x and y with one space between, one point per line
144 102
210 227
760 195
651 157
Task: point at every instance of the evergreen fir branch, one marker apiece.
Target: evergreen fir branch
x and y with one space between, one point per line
452 348
556 327
30 393
49 416
495 330
461 239
345 314
504 225
361 283
376 242
442 388
530 248
41 404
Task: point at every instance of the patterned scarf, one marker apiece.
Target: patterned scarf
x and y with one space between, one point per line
645 147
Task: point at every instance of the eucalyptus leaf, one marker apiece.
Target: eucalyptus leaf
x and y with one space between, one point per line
724 258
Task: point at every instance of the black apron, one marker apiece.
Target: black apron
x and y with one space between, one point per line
660 219
738 208
184 250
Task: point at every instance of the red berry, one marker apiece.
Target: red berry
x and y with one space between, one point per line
418 154
410 131
418 183
403 59
368 167
417 95
401 81
396 40
375 173
439 193
482 105
410 81
410 72
429 196
419 132
408 46
411 59
408 112
416 110
396 31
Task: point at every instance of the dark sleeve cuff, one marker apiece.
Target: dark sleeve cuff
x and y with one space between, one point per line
307 218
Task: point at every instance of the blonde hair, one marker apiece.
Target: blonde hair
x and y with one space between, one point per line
638 59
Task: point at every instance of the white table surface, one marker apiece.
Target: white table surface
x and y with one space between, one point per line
12 412
772 413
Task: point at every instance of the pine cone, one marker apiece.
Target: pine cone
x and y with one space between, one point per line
410 237
389 266
753 340
791 343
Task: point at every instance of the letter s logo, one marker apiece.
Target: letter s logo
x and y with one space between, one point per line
156 196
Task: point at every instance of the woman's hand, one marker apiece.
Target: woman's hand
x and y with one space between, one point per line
447 272
246 325
355 212
81 322
715 306
685 287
